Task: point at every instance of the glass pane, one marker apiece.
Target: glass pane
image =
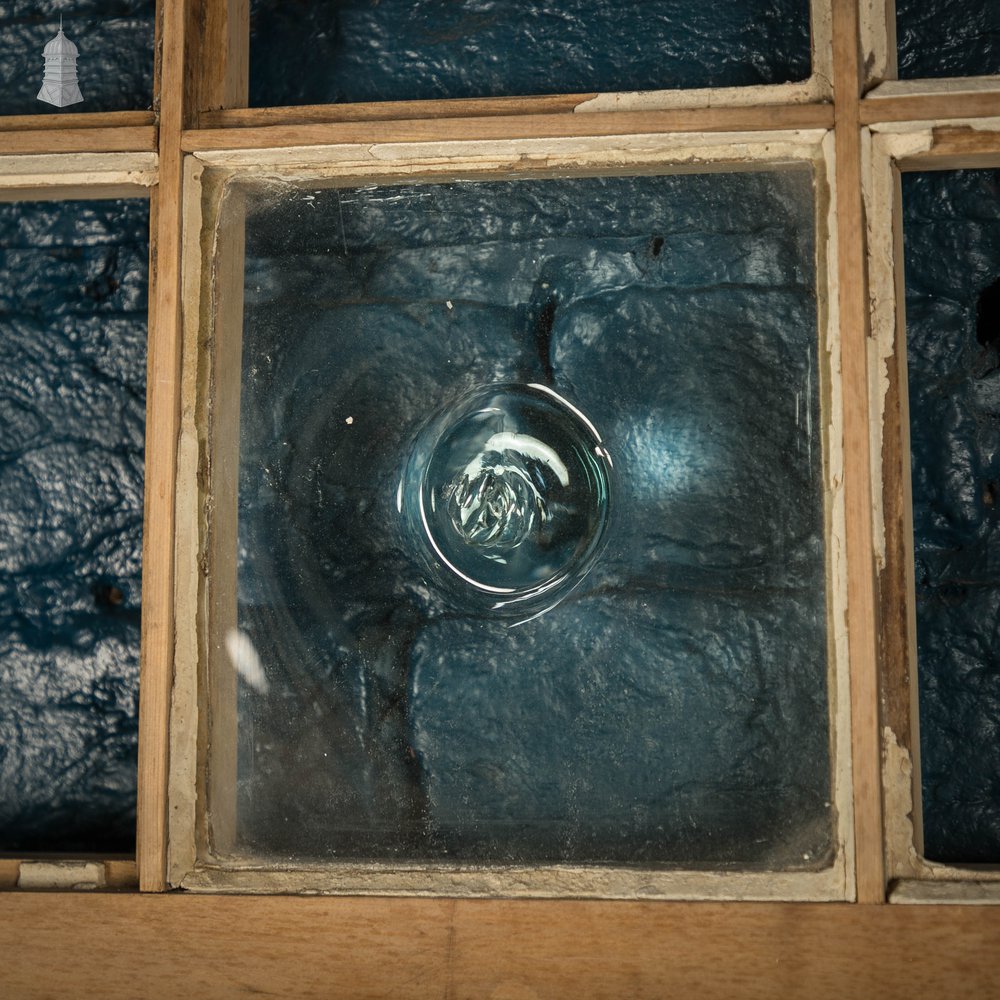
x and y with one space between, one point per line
73 285
951 227
388 50
947 38
113 61
531 557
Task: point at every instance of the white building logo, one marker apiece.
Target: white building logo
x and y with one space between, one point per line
59 85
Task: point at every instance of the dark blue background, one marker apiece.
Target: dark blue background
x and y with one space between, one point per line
304 52
73 279
674 708
951 226
115 65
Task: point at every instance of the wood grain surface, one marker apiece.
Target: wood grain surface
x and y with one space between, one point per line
162 426
130 139
126 946
862 608
534 126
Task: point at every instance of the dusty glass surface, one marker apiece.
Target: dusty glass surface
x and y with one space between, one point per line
531 546
398 50
951 229
114 39
73 288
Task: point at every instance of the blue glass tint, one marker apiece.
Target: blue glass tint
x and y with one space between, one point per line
397 50
951 228
938 38
608 383
73 286
115 62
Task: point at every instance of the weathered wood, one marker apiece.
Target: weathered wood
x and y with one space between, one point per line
137 139
470 107
928 107
862 611
960 146
75 122
224 464
878 40
77 175
895 580
894 525
9 870
162 421
125 946
116 873
219 40
792 116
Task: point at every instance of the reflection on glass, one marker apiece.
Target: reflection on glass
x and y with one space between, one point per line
509 489
531 523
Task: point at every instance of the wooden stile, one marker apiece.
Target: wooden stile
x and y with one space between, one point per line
862 616
162 421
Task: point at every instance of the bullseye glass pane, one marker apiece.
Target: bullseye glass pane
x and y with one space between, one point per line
531 560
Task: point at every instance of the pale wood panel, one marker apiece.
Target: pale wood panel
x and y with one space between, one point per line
79 140
100 119
162 425
221 720
118 873
896 586
128 946
77 175
878 40
862 610
791 116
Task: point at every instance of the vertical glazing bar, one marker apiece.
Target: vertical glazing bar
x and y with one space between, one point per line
226 646
862 610
221 35
162 422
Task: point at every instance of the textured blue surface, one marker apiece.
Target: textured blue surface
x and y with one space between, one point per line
115 65
73 279
947 38
380 50
951 227
673 708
